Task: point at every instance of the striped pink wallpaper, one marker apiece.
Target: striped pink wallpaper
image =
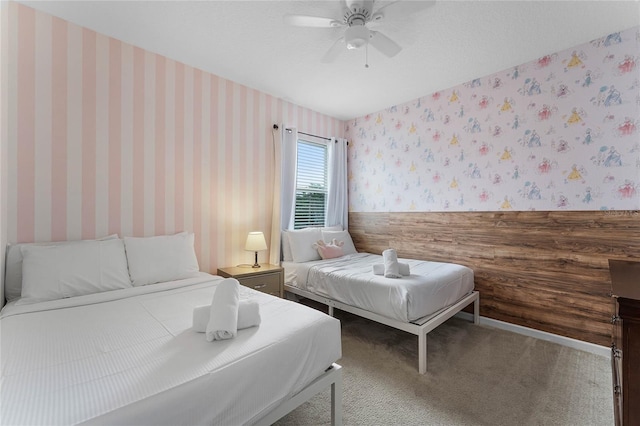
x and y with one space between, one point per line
4 135
104 137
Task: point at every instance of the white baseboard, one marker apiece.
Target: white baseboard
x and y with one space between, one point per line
542 335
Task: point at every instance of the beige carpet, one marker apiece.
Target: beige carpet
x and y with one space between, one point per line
476 375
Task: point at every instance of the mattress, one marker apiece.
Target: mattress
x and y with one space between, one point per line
130 357
350 279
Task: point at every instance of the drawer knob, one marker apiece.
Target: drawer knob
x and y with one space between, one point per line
259 286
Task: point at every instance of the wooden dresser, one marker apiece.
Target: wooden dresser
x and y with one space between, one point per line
625 288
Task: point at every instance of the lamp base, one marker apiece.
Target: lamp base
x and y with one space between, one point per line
256 264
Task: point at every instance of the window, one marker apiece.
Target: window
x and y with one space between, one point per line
311 185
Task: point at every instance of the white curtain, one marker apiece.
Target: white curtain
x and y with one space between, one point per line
337 202
274 246
288 179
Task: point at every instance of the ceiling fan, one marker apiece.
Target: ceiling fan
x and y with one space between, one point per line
357 18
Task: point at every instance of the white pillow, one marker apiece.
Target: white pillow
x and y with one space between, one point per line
302 242
52 272
159 259
348 247
13 265
286 245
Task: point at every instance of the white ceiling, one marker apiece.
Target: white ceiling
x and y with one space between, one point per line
447 44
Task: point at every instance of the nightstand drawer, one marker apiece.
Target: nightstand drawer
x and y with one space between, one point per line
266 283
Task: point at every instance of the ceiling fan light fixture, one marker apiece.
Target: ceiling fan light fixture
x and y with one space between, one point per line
356 36
356 15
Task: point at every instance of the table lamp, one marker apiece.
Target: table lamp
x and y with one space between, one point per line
255 242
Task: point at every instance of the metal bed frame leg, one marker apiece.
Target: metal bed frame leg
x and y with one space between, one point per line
422 353
336 401
476 311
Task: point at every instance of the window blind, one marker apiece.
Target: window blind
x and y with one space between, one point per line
311 185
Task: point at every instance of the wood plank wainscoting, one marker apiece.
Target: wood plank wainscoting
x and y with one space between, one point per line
544 270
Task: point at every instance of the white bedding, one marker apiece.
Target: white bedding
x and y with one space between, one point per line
350 279
130 357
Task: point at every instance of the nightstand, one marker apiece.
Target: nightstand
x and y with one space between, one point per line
267 279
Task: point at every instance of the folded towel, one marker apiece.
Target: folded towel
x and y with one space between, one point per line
223 317
248 316
403 268
391 268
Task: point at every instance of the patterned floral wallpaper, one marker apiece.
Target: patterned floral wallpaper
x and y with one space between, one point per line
557 133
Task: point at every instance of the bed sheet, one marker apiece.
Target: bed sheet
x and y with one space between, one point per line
132 358
350 279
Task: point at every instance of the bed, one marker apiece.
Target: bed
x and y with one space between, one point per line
129 356
417 303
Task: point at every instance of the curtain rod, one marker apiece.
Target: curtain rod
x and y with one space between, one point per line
320 137
275 126
309 134
315 136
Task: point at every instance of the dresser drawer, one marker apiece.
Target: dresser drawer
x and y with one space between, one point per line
266 283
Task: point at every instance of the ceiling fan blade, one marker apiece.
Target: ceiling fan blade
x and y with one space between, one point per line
400 9
334 51
311 21
384 44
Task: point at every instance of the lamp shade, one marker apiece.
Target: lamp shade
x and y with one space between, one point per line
255 242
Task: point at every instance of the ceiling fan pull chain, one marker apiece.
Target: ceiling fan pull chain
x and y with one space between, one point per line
366 55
